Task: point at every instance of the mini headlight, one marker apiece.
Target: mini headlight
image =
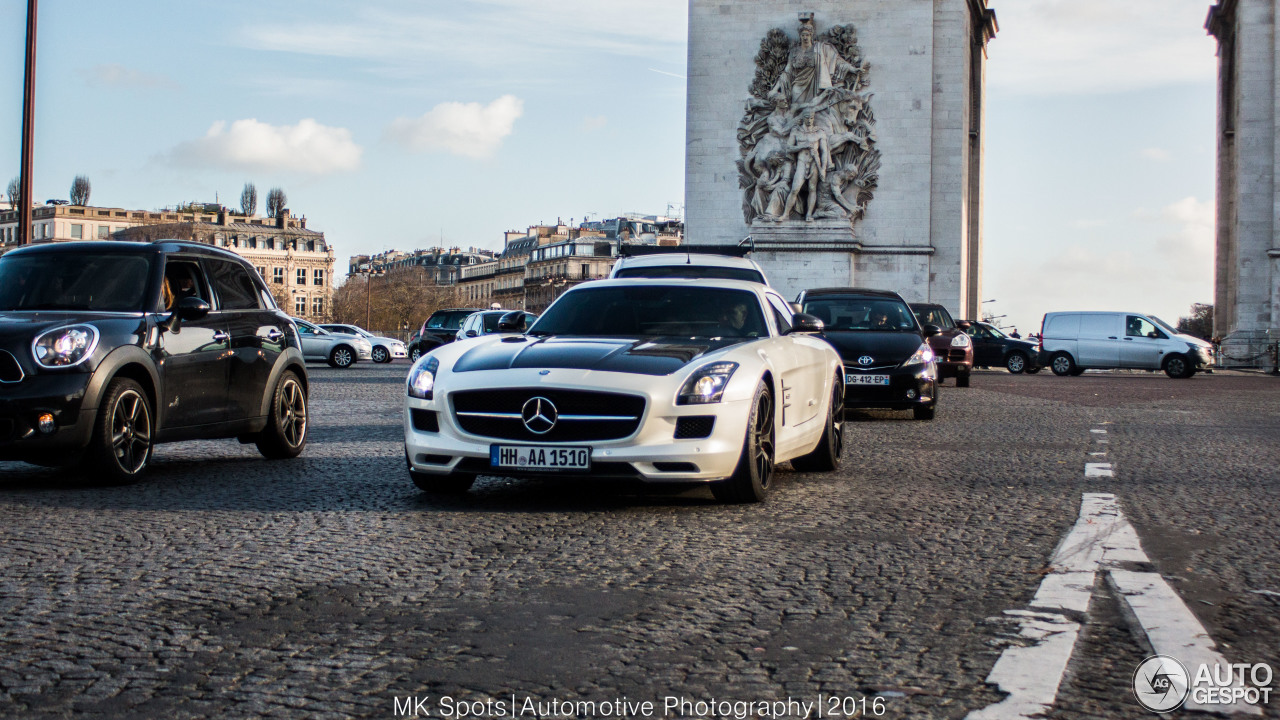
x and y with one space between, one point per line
422 378
961 340
922 355
707 384
65 346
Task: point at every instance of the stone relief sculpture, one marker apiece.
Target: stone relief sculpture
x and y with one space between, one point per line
807 138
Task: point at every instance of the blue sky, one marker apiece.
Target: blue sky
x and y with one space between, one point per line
404 124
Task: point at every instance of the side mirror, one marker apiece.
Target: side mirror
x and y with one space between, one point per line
964 325
471 333
931 330
805 323
1153 335
188 308
513 322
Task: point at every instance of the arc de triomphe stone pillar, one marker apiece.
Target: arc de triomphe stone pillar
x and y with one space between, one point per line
844 137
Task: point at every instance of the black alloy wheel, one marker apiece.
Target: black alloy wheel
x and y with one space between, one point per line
1016 363
380 355
750 480
120 447
826 457
1062 364
286 432
342 357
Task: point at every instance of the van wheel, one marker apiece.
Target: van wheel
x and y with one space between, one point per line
1016 363
1062 364
1176 366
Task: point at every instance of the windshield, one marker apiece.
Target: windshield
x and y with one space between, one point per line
935 316
110 282
448 320
654 310
1173 330
860 313
691 271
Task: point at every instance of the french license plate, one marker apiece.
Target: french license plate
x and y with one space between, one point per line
540 457
866 379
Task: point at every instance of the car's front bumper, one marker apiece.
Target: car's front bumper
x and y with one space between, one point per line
60 395
651 453
909 387
398 352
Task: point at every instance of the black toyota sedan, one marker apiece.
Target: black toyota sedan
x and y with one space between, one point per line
887 359
107 348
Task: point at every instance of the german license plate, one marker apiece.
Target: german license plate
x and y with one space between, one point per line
866 379
540 457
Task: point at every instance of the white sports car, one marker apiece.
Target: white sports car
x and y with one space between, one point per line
673 380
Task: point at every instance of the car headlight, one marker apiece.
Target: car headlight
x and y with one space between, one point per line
922 355
961 340
422 378
707 384
65 346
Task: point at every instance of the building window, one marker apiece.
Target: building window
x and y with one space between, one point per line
262 272
277 275
586 270
103 231
271 243
302 276
317 277
317 306
300 305
253 243
311 246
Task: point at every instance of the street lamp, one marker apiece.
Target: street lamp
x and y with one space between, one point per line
368 292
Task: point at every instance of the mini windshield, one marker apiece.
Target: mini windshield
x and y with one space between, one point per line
108 282
654 310
860 313
691 271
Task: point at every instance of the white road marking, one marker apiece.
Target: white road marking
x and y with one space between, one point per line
1098 454
1101 541
1098 470
1097 431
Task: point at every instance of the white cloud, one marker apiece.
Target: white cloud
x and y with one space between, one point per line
1066 47
594 122
467 129
116 76
307 147
1157 154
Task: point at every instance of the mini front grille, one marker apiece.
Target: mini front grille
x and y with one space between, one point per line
695 426
580 415
10 370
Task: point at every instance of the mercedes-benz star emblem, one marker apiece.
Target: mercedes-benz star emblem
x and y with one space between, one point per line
539 415
866 360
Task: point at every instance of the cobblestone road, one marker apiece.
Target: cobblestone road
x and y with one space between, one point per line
229 586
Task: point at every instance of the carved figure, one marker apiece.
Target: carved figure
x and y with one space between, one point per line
807 136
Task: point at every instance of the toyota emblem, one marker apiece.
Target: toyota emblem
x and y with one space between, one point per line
539 415
866 360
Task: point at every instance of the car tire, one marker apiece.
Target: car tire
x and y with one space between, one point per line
962 379
342 357
121 444
1016 363
1177 366
826 457
1061 364
750 480
924 412
380 355
451 484
285 435
414 354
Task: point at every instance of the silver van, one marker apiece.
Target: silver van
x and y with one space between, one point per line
1072 342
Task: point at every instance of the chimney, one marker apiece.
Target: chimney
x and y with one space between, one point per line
282 220
222 217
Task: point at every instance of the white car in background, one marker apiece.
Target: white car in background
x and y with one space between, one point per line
678 380
688 265
340 351
385 349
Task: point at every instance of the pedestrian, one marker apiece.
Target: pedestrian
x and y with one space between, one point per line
1015 334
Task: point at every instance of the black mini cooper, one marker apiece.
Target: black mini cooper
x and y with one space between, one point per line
107 348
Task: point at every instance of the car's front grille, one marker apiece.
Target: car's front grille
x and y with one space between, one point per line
956 356
10 370
580 415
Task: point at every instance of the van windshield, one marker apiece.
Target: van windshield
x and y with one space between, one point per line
1173 330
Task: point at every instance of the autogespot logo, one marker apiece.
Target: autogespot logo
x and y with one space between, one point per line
1161 684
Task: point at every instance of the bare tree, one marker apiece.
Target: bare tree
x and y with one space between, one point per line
249 199
15 189
276 202
1199 323
394 304
80 190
